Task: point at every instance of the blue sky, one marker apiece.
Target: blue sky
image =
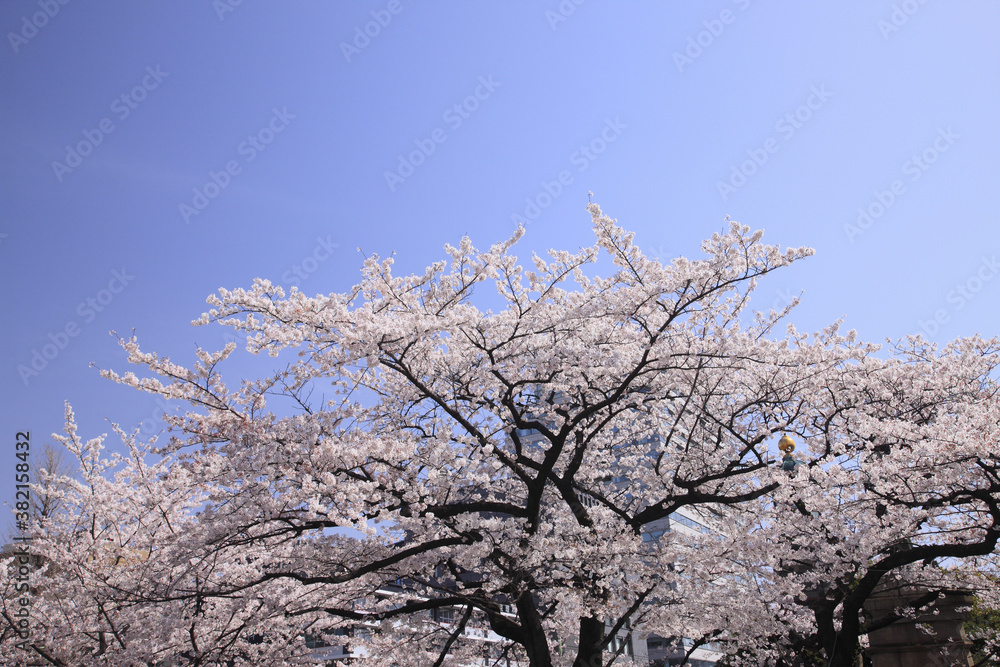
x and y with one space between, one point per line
154 152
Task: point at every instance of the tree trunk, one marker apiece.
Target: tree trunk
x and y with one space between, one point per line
846 643
831 647
846 653
590 653
536 644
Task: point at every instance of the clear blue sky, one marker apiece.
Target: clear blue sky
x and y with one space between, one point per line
116 115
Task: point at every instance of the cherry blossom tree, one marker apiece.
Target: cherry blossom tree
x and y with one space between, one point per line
898 495
498 471
983 627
